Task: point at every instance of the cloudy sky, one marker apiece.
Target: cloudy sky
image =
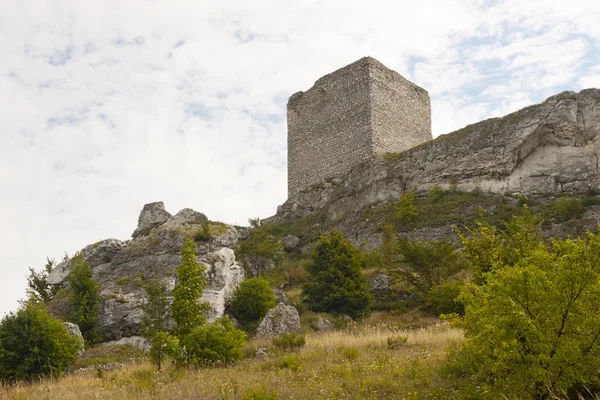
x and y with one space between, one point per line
108 105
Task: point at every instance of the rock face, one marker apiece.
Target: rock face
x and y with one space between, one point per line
279 320
122 268
551 148
290 242
76 333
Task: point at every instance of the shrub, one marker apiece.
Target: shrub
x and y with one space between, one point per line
335 282
529 324
406 210
38 289
442 299
435 194
289 361
33 344
565 209
427 264
289 341
389 250
156 310
163 345
85 298
219 342
260 252
251 301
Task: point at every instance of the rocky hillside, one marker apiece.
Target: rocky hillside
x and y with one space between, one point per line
122 267
546 150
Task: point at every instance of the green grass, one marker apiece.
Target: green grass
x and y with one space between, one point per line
109 354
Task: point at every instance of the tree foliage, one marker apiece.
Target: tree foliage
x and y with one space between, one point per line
251 301
187 310
85 298
427 264
38 290
531 319
163 345
335 283
156 310
406 210
389 249
260 252
219 342
33 344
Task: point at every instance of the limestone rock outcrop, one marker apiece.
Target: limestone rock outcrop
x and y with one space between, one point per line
550 148
279 320
123 267
75 332
322 325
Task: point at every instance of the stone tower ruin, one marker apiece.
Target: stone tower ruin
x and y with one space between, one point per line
350 115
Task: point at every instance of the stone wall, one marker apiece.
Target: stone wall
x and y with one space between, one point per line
348 116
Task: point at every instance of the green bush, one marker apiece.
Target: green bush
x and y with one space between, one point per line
85 298
163 345
442 299
435 194
260 252
406 210
251 301
335 282
33 344
289 341
565 209
531 324
219 342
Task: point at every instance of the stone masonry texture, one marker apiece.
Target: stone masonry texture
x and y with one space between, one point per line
350 115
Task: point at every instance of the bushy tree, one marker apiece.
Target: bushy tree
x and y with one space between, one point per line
531 320
251 301
426 264
187 310
335 283
406 210
156 309
219 342
260 252
163 345
85 298
33 344
389 249
38 289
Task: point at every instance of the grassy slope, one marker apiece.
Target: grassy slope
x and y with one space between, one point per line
350 364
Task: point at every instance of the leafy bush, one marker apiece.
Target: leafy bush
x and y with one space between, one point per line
38 289
163 345
251 301
406 210
442 299
565 209
289 341
219 342
435 194
260 252
33 344
335 282
427 264
85 298
530 323
202 234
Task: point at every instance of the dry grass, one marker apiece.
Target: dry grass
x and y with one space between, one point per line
353 364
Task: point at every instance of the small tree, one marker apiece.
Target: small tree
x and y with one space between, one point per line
38 289
251 301
33 344
335 283
389 248
187 310
427 264
156 309
163 345
406 210
85 298
219 342
260 252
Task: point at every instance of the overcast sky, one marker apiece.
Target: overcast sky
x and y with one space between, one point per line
108 105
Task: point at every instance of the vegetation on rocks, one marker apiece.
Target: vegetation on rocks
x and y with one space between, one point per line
251 301
85 298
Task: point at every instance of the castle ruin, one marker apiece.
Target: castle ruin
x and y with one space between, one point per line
350 115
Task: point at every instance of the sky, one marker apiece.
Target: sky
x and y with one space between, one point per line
108 105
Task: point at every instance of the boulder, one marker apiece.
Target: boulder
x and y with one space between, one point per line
224 276
187 216
281 297
290 242
75 332
279 320
322 325
136 341
380 284
152 216
243 233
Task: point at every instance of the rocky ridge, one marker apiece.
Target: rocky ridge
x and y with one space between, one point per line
550 148
122 267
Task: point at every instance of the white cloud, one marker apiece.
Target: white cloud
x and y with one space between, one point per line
109 105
